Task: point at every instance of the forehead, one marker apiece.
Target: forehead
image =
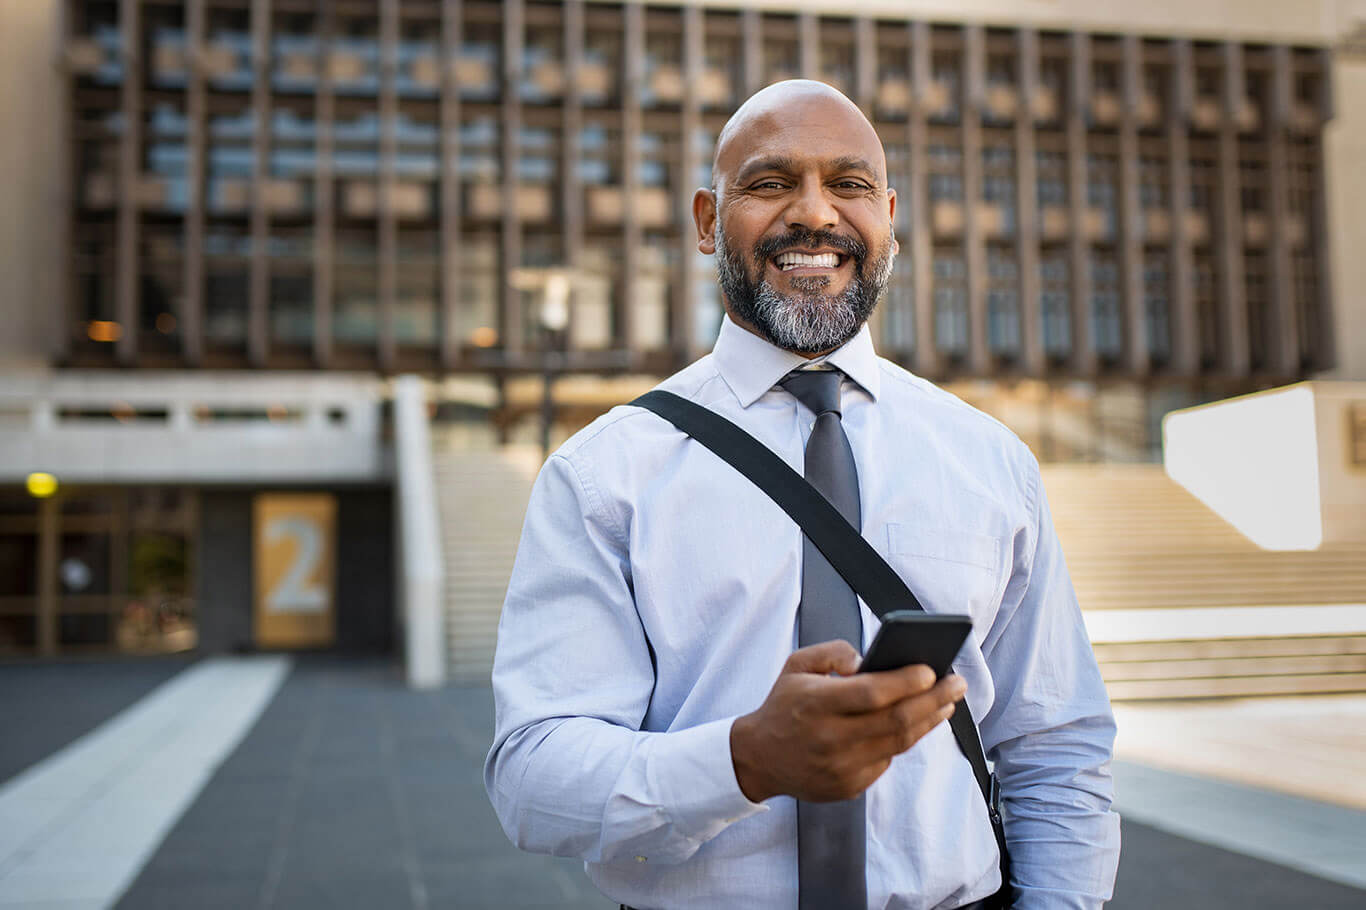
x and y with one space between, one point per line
812 132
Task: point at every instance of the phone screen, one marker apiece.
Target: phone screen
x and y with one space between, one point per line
910 637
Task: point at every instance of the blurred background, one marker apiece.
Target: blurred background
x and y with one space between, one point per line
296 295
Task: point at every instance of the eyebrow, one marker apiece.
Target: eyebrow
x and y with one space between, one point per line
787 165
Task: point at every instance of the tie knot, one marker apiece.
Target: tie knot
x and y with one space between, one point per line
819 390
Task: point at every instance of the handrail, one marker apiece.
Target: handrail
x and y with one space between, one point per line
183 427
421 577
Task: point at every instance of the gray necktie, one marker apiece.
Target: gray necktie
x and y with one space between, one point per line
830 836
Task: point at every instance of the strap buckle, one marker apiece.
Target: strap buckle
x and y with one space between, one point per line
994 799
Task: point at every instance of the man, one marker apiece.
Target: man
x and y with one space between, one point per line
656 715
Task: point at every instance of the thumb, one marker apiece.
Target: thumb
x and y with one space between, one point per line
837 656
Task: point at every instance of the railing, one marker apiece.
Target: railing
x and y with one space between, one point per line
199 427
421 581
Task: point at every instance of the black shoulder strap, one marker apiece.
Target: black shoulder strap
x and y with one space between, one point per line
840 542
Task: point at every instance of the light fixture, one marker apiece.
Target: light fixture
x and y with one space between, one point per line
41 484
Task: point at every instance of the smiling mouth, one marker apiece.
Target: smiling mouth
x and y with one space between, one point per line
792 260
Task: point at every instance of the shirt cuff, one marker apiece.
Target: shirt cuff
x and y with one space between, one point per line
695 778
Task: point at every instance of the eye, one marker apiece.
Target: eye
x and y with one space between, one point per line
768 185
851 185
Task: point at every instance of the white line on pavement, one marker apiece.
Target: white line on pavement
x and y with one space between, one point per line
77 827
1321 839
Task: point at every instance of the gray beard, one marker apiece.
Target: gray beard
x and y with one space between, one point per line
808 322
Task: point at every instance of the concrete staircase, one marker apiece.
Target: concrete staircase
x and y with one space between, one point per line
1135 540
1137 545
482 500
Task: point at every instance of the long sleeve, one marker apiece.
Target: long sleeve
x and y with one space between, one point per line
1050 731
570 772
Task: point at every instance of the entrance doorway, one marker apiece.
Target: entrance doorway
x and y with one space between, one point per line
98 569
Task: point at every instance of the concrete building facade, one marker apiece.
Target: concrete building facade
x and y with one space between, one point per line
228 223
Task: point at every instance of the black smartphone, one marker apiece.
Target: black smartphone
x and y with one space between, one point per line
912 637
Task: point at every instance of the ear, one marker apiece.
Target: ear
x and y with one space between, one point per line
704 216
891 218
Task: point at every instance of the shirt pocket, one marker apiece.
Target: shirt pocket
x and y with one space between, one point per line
948 569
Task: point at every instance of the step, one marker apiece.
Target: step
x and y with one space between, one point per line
1233 667
1213 649
1228 687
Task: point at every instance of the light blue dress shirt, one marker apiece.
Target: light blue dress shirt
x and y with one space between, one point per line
654 600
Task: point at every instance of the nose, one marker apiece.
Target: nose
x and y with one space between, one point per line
810 207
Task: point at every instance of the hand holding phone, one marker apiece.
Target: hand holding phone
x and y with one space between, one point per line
911 637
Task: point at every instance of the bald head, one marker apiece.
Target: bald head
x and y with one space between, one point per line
785 118
799 216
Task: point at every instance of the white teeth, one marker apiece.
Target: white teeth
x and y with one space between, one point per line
807 260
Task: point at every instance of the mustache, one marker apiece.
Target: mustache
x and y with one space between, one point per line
805 237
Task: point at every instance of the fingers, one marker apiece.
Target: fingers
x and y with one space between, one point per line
837 656
878 691
916 713
903 737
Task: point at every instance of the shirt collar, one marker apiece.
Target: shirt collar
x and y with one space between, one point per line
751 366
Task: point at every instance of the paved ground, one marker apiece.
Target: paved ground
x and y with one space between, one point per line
354 792
44 706
351 791
1310 747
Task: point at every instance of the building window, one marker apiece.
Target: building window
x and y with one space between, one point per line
93 251
898 308
1152 182
1003 302
706 303
542 66
229 51
1102 191
724 62
1106 328
1153 103
781 54
1257 293
478 63
704 140
291 285
418 74
837 56
418 291
1305 288
1204 181
355 320
354 58
1206 309
1252 182
946 172
1051 178
1001 95
600 68
948 88
476 320
1302 177
1049 105
998 189
893 100
1055 303
161 262
227 254
1156 304
1105 76
950 303
538 155
663 68
650 294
